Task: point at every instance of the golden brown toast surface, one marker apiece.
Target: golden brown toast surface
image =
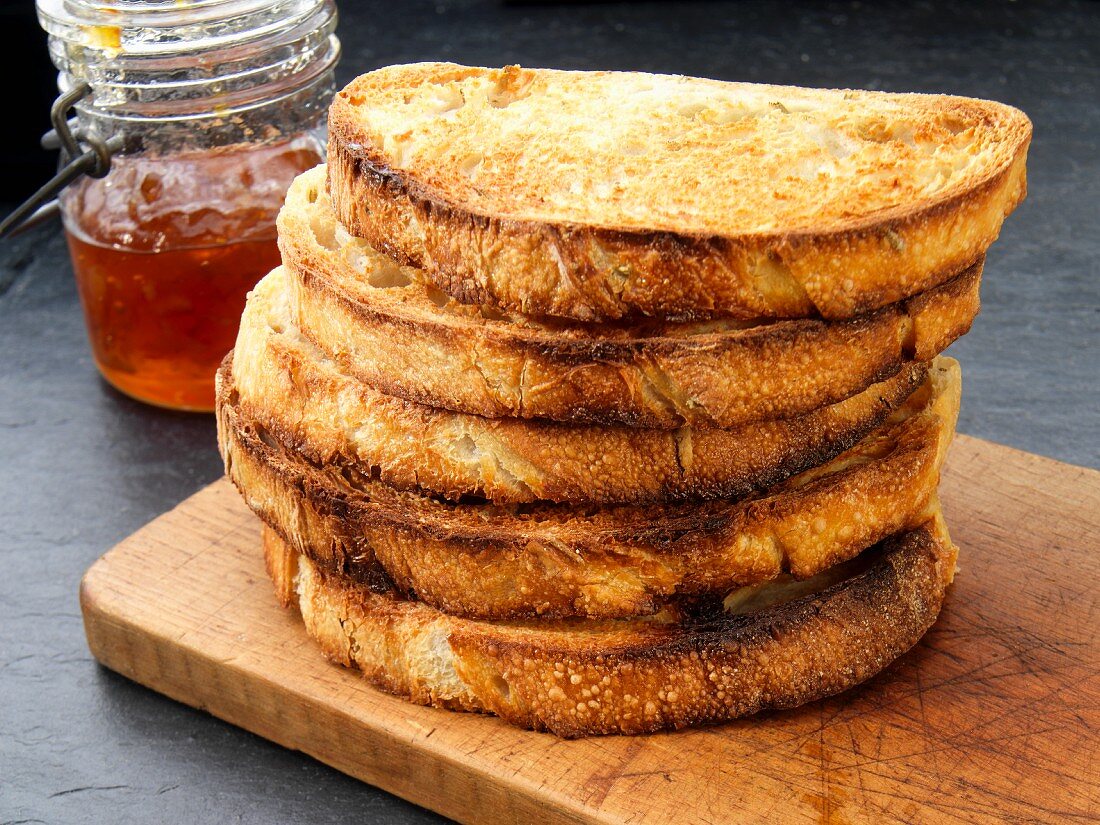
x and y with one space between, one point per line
605 194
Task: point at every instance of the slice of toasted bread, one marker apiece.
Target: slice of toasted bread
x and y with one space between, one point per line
293 391
584 677
384 326
596 195
497 561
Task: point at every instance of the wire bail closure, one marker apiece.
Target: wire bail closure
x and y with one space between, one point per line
66 135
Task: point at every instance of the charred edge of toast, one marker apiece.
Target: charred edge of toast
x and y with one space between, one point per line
604 360
661 526
661 256
584 341
668 676
810 440
573 351
609 357
668 551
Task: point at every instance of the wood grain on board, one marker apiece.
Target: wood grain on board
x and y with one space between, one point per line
994 716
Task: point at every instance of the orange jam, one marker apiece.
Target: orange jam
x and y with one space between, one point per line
165 249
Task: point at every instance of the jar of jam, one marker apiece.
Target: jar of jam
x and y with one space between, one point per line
213 107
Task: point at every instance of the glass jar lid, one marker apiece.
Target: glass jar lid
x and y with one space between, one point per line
226 63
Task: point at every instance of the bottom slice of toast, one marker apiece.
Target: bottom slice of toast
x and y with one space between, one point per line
772 646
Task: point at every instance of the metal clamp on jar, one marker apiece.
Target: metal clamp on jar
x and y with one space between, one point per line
191 120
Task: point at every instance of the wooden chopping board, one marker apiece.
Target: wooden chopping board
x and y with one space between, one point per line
994 716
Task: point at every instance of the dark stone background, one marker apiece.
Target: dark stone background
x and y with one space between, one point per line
82 466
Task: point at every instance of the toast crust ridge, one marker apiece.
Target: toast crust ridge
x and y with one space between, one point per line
481 249
408 340
309 404
581 678
620 560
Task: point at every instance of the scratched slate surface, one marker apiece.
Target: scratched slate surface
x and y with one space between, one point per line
82 467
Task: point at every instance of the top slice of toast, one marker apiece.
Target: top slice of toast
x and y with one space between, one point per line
608 194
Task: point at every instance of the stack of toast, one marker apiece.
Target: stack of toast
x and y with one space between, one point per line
612 402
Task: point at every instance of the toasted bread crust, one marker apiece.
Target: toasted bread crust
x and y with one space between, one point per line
553 560
660 375
310 405
584 678
582 266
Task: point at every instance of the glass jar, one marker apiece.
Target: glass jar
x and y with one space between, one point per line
217 105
